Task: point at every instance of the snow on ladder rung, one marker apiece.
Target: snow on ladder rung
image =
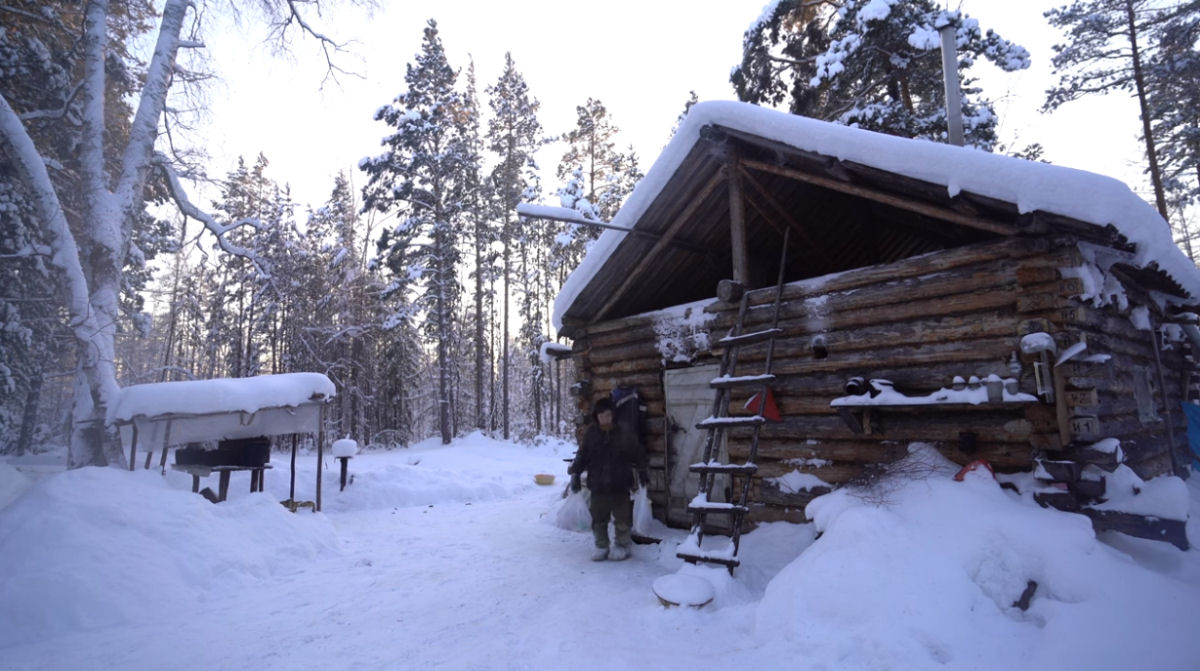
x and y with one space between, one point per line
717 467
693 557
717 507
727 382
730 422
749 338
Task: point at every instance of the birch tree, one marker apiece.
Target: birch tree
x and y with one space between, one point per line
112 173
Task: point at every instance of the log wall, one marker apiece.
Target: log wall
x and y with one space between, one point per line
919 323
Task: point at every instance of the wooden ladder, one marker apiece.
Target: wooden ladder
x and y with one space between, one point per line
719 421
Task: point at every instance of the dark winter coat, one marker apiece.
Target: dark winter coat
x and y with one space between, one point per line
611 458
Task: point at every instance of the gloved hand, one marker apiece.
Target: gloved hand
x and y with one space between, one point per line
576 483
644 478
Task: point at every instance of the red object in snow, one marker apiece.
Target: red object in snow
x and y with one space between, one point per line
771 412
973 466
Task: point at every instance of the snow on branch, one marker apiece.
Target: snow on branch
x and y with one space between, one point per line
32 169
59 113
179 195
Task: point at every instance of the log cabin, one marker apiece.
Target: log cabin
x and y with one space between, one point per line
1030 316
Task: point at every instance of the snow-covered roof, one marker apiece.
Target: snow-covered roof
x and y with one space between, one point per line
234 395
1030 186
174 413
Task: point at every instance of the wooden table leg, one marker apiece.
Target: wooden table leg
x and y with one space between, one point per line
223 487
195 483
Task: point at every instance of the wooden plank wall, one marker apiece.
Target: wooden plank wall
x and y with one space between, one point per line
918 323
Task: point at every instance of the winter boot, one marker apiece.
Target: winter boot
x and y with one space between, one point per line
618 552
599 554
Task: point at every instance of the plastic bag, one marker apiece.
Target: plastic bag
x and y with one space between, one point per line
643 516
573 514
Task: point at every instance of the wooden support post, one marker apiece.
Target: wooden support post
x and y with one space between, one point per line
737 222
320 456
345 465
195 483
223 486
149 456
162 462
133 447
292 488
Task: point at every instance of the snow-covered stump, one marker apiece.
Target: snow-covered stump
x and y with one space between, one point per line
344 450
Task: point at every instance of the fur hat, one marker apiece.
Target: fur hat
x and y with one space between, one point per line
602 405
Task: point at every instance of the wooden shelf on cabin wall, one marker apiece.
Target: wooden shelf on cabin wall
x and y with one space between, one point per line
861 417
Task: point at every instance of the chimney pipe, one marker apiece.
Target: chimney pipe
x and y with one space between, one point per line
954 123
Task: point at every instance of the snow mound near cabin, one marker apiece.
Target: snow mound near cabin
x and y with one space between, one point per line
100 546
941 564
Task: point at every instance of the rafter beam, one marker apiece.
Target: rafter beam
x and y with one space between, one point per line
651 257
937 212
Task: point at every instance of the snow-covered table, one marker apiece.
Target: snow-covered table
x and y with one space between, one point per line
176 413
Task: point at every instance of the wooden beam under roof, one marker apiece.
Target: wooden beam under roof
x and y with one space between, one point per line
935 211
650 257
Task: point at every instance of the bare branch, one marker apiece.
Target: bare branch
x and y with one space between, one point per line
330 47
185 205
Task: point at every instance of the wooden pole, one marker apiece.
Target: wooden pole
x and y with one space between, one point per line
292 488
133 447
320 456
737 223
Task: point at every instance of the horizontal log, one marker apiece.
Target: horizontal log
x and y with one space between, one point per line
779 512
967 353
926 264
862 451
834 473
1000 428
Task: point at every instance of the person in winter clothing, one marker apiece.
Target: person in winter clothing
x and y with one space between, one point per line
615 462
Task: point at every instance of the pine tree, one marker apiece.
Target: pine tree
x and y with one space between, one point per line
1108 50
779 53
591 149
595 179
422 174
514 135
874 64
483 233
1173 99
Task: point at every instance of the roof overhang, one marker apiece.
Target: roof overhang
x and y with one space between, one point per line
850 198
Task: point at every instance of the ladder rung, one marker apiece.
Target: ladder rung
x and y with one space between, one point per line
729 422
713 467
717 507
740 381
748 338
729 562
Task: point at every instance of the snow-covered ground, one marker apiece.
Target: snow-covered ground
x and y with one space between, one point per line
450 557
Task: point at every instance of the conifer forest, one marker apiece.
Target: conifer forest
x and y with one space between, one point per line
127 256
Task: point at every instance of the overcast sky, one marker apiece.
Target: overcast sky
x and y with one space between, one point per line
639 57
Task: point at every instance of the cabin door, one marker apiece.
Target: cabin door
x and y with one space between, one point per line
689 400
